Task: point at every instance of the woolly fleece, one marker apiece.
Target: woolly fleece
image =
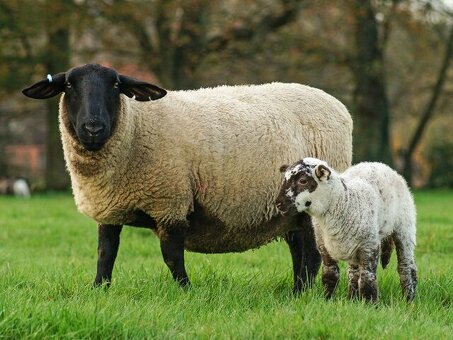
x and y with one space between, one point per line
214 149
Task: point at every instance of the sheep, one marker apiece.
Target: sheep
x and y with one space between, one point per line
21 188
18 187
177 162
356 215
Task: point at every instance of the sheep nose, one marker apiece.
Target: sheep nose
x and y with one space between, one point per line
94 129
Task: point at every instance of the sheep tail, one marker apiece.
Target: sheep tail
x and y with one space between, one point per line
386 251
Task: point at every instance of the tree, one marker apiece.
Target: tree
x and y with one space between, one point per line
16 50
56 59
26 53
181 34
430 107
370 102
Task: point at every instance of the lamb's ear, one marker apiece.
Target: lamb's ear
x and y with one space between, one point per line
322 172
46 88
284 167
142 90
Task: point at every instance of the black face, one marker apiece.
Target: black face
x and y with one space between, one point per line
92 99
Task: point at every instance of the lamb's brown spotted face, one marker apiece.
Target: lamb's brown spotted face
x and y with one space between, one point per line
298 178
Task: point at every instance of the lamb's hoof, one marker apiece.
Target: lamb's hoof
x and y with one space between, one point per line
353 293
368 291
410 295
328 296
296 291
410 287
370 298
353 296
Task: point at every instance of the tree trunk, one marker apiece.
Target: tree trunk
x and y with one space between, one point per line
370 102
56 60
429 111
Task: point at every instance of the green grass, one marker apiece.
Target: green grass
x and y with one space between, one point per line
47 264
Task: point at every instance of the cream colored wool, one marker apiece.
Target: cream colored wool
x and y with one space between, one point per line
215 148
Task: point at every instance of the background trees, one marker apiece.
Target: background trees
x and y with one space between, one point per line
37 41
388 60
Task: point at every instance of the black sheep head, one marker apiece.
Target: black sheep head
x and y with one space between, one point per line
92 96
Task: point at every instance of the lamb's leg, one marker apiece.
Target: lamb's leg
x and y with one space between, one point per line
353 278
108 243
386 251
304 253
172 247
330 272
406 265
368 288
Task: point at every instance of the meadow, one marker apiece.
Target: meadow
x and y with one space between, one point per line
48 259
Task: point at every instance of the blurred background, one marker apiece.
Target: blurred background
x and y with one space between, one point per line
389 61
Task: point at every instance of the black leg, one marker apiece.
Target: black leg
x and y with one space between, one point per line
108 243
304 253
295 247
172 246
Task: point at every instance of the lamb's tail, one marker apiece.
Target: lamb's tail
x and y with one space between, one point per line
386 250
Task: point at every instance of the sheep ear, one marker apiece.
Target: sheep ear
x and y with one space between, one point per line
284 167
142 90
46 88
322 172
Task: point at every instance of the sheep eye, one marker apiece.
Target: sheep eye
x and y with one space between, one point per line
116 85
68 85
303 181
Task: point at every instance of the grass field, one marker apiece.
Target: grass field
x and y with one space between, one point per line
47 264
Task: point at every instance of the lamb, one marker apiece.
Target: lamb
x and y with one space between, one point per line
356 215
177 161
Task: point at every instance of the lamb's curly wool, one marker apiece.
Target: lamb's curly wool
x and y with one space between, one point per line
214 150
353 214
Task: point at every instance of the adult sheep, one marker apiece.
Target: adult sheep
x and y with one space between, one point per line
178 165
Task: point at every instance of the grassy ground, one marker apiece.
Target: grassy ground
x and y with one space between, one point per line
47 264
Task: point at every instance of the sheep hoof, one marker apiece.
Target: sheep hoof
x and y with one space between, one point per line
184 283
101 284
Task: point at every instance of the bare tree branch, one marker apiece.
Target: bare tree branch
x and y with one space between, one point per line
23 37
430 108
246 31
386 26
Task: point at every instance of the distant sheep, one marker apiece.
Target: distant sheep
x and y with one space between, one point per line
17 187
21 188
354 214
186 164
